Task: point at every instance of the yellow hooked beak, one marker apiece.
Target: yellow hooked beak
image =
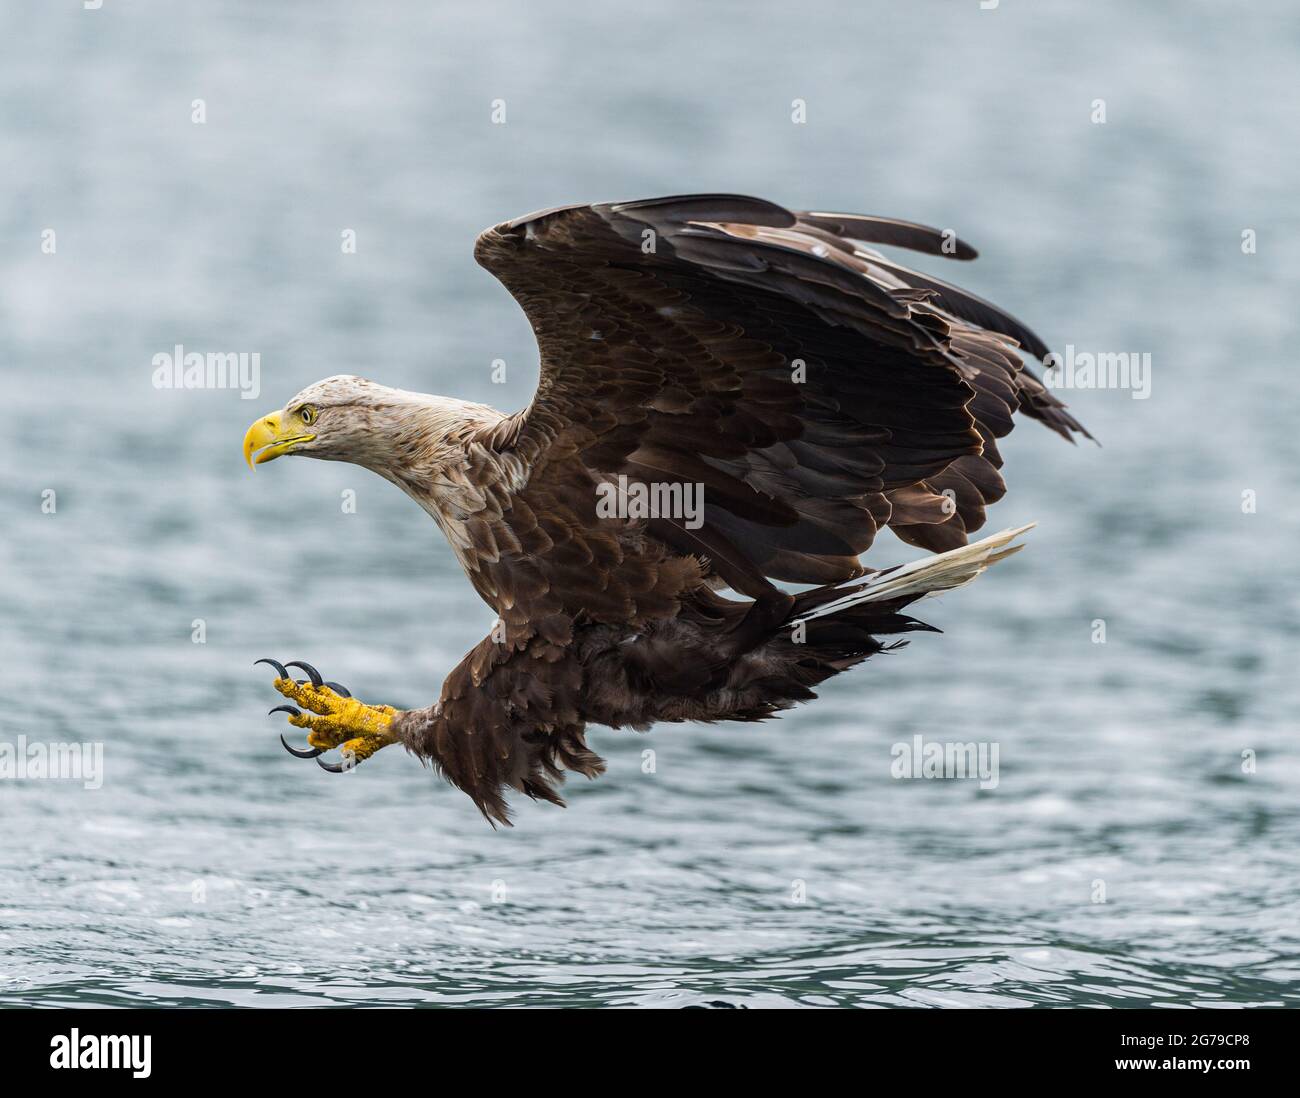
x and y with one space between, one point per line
272 437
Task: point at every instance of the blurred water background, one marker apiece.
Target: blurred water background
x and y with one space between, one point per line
211 868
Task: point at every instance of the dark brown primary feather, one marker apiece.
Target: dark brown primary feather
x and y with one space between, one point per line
891 231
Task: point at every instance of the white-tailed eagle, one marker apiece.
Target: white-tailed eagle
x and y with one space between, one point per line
732 394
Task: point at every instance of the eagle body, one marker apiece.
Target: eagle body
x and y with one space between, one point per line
809 389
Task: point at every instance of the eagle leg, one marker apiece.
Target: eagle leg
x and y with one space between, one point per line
336 718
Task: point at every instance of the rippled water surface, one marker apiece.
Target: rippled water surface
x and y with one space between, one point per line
211 868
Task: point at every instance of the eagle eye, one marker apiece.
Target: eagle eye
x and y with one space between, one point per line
308 414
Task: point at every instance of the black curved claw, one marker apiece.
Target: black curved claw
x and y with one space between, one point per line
279 667
285 709
340 690
312 673
310 753
333 768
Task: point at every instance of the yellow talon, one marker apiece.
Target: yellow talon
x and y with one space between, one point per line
335 720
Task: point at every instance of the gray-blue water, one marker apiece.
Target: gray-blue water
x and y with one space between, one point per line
211 868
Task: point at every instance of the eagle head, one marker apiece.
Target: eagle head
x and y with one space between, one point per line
347 418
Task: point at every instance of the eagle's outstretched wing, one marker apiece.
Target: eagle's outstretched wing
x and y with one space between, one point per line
816 390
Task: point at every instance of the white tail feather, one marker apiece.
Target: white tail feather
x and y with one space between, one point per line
929 575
